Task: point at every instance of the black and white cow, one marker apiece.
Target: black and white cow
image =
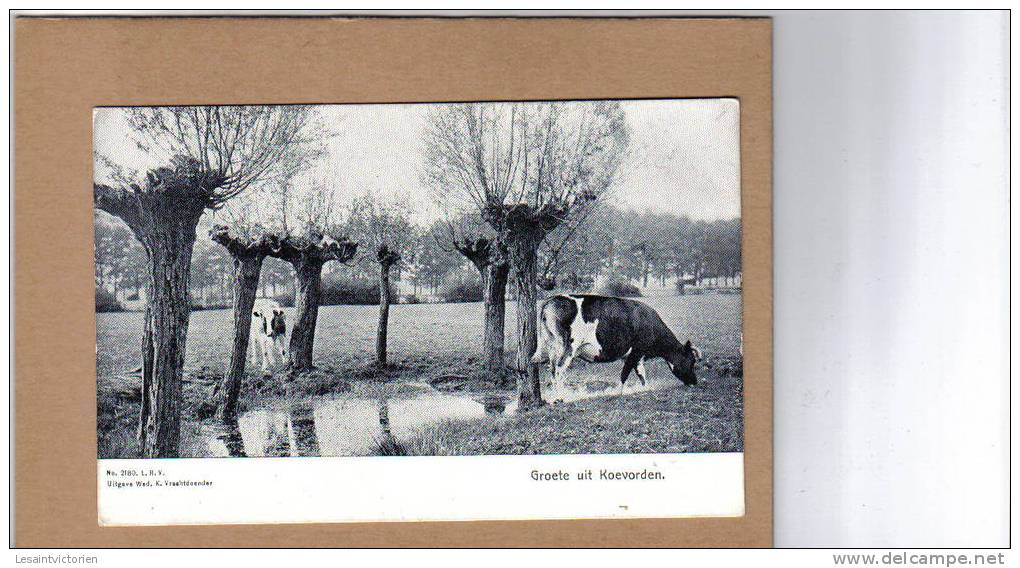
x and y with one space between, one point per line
270 326
602 329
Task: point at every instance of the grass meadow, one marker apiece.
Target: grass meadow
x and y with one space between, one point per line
440 345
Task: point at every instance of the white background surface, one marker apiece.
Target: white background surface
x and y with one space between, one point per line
891 282
891 296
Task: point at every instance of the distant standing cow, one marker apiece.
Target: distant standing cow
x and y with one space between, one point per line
270 325
602 329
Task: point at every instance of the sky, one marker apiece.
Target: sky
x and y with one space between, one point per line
683 156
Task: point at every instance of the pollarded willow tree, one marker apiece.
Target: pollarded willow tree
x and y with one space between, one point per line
526 168
208 155
284 222
248 247
482 247
308 253
385 228
311 233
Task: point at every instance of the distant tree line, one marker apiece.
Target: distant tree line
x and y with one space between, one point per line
641 248
613 244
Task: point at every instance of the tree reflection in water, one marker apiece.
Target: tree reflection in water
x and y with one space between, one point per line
301 431
233 441
346 426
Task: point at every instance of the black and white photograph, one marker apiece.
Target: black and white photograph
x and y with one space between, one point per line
455 279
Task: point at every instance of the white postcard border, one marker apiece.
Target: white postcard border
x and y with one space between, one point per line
136 492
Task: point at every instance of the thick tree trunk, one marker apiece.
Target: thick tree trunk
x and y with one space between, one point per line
148 356
308 272
524 258
494 281
169 242
384 313
246 280
489 258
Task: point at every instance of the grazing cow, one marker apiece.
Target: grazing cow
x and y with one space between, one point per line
602 329
270 324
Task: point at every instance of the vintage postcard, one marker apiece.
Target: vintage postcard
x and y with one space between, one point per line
429 311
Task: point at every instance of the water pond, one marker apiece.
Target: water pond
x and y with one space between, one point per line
344 426
351 425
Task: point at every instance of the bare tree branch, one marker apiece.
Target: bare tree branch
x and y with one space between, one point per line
554 159
238 146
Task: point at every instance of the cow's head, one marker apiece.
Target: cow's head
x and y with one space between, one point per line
682 362
274 322
279 323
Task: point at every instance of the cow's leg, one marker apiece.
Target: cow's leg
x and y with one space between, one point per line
281 350
265 348
628 366
560 376
641 370
258 351
544 342
552 352
546 350
274 353
547 353
253 353
267 355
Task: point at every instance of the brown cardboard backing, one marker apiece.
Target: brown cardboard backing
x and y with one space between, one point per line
65 67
